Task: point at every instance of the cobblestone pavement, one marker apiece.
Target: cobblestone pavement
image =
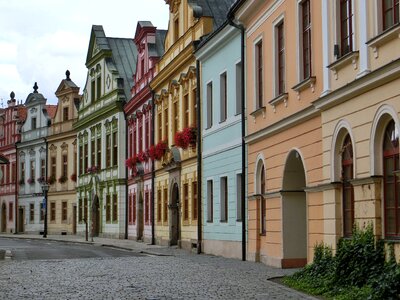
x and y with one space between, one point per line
177 274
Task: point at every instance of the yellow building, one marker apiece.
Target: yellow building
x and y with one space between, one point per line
61 161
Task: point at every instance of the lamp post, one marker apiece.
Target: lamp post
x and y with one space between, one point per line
45 189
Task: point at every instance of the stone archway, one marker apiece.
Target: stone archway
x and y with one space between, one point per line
3 217
294 213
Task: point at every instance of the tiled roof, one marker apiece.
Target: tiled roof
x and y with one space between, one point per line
21 113
51 110
218 9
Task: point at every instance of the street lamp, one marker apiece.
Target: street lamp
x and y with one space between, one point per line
45 189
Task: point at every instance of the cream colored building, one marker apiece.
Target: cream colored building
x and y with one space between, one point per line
61 161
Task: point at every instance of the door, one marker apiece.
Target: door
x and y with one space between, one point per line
74 219
3 217
21 219
95 216
175 232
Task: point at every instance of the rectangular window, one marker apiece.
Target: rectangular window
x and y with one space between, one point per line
32 170
134 208
42 168
93 152
13 172
390 13
108 150
223 97
160 136
33 124
134 143
209 105
53 166
85 209
80 160
52 211
259 74
186 201
64 213
194 200
281 58
115 207
65 113
210 201
194 116
99 152
98 88
176 117
146 208
346 27
10 211
115 148
80 211
165 217
31 213
108 209
306 39
147 134
159 206
224 198
238 71
239 197
93 90
130 212
23 172
86 154
186 106
140 136
166 124
65 165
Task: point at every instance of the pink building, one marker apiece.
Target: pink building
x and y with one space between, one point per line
150 44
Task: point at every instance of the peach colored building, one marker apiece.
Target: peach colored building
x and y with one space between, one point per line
284 134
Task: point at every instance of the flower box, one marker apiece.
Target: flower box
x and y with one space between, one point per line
186 137
63 179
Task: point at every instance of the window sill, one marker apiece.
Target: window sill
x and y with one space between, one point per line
257 112
281 98
392 239
223 221
305 84
263 234
208 221
345 60
383 38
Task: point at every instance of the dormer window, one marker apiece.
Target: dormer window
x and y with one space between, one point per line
176 29
33 123
65 114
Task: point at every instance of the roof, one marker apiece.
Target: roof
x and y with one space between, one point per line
101 40
217 9
51 110
22 113
157 49
124 55
66 82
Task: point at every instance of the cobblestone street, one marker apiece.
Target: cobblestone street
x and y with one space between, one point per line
170 274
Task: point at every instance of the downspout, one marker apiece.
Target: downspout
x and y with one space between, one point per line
243 129
152 171
126 177
16 188
199 160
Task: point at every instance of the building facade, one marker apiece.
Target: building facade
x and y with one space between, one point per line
101 135
11 118
62 161
32 153
221 105
284 134
360 118
150 46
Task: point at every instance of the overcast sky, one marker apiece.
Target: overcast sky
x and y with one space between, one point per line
41 39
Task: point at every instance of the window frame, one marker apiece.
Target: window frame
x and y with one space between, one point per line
223 183
259 73
223 96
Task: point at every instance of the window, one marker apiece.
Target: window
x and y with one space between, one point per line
115 207
115 148
31 213
134 208
390 13
176 117
92 91
80 160
65 114
33 124
85 209
130 212
42 168
263 217
146 207
239 197
13 171
194 99
98 88
22 171
80 211
64 212
305 39
224 198
281 58
185 111
165 217
65 165
186 201
99 152
391 181
93 152
346 27
259 74
108 150
86 154
108 209
147 133
238 73
347 187
52 211
159 205
176 29
159 120
166 124
223 97
210 201
194 200
10 211
140 136
209 105
32 169
134 144
53 166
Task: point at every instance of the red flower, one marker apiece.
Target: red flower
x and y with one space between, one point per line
186 137
73 177
160 149
131 162
152 152
142 156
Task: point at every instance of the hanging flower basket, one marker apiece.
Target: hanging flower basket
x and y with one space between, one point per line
186 137
131 162
160 149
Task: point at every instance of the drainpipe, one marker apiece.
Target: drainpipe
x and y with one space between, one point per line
152 171
199 160
126 177
243 129
16 188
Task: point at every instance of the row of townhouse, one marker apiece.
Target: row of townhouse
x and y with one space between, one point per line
249 129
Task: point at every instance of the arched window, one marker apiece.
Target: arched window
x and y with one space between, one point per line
391 181
347 187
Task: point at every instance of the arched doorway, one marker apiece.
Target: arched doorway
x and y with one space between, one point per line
3 217
174 224
95 216
294 213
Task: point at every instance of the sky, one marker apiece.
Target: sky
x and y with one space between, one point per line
41 39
